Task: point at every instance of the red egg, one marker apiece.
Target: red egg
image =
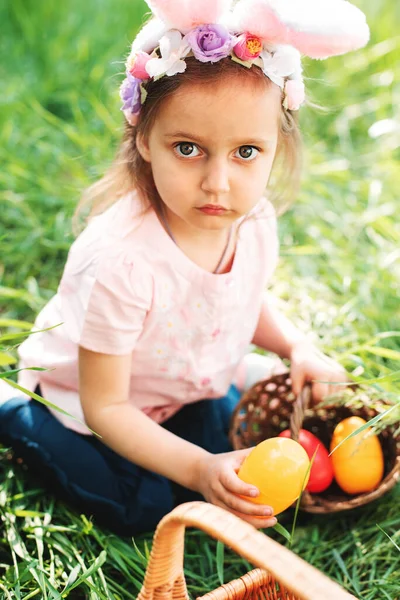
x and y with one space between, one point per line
321 475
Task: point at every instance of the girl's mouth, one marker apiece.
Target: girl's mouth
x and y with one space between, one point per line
213 209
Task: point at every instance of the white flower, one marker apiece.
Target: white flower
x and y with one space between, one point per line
279 64
173 49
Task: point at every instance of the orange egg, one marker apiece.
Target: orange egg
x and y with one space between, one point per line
278 468
358 463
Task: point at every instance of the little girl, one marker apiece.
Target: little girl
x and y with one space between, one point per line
164 290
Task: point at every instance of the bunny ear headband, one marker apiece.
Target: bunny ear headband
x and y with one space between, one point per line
271 34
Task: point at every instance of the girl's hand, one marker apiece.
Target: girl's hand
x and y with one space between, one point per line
219 483
308 364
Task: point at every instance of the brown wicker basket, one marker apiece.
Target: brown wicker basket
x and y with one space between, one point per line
281 574
270 407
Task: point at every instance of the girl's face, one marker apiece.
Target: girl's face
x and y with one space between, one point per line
213 146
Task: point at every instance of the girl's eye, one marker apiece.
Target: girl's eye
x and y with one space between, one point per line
190 150
186 149
248 153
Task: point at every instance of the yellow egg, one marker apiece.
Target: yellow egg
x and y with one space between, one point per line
358 464
278 468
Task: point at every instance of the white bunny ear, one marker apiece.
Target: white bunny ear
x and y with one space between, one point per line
149 36
186 14
317 28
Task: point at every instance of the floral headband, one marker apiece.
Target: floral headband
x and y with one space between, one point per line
271 34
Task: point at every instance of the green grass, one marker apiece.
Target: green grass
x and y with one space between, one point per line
340 273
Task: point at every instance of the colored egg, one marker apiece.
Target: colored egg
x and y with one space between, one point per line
358 464
278 467
321 474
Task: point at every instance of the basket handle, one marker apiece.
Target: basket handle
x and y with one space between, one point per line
164 579
300 406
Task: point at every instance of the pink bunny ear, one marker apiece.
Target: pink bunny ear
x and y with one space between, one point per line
317 28
186 14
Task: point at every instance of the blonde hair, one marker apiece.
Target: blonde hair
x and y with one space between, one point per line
130 171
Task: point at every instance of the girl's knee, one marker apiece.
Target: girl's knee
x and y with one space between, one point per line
9 409
20 418
40 440
124 526
137 512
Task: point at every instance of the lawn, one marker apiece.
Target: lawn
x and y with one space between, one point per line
339 273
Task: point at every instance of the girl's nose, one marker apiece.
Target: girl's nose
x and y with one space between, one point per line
216 178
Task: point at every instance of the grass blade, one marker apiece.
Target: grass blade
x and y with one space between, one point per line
220 561
388 536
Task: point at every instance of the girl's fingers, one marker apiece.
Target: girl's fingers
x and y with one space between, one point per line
298 380
319 392
235 485
258 523
240 505
322 390
240 456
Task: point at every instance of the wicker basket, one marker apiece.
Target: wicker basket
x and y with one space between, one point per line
281 574
270 407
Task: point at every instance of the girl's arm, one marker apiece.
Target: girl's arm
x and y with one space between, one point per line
275 333
104 391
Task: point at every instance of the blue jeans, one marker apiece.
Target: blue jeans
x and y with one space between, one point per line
86 473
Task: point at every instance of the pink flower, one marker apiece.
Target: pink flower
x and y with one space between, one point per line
136 65
132 119
248 47
294 94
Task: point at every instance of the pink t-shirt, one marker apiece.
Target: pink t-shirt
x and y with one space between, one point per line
127 288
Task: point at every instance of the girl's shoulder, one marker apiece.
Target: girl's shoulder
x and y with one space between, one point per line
106 288
109 259
115 235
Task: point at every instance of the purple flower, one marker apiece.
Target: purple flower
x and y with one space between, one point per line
210 43
130 94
